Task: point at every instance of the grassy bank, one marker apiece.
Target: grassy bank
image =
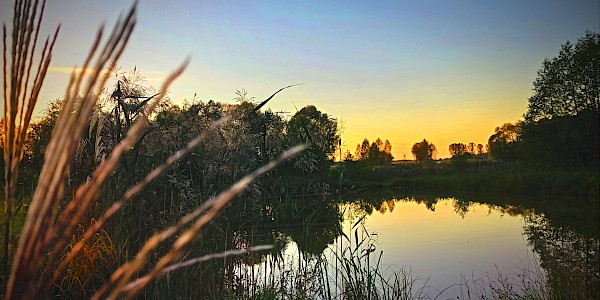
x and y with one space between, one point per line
475 176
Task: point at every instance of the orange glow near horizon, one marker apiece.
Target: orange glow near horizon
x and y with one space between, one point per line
402 71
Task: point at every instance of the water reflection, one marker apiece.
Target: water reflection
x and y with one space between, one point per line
570 259
450 244
562 233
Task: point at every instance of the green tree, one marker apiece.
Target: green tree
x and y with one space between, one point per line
424 150
318 130
568 83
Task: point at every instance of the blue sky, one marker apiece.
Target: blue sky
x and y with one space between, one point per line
447 71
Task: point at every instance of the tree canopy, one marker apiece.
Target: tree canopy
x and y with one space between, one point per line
375 154
424 150
565 142
503 142
568 83
318 130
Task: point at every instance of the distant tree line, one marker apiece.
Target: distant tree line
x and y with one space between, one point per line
462 150
378 153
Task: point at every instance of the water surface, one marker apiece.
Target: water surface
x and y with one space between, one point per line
446 242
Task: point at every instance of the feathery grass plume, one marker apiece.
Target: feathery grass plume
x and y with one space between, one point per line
129 194
18 104
39 228
202 216
40 257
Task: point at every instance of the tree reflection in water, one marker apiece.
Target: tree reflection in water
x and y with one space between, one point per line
564 234
304 229
570 259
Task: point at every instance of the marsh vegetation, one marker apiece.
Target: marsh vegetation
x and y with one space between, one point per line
117 192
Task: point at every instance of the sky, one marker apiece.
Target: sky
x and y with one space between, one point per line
445 71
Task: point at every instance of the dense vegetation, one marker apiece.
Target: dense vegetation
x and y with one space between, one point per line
88 154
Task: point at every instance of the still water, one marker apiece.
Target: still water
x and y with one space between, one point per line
445 243
447 247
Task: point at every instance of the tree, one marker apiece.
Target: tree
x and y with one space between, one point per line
568 83
457 149
374 154
503 143
480 149
362 150
424 150
471 148
318 130
565 142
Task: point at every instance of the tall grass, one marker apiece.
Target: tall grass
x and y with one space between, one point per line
360 273
45 248
20 97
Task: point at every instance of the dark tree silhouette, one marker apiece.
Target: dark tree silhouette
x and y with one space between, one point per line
319 131
503 142
424 150
565 142
457 149
376 154
480 149
568 83
362 150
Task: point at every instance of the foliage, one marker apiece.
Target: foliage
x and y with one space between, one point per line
565 142
48 246
318 130
457 149
424 150
460 150
504 142
377 153
568 83
561 122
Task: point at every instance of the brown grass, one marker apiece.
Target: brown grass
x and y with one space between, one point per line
46 249
18 103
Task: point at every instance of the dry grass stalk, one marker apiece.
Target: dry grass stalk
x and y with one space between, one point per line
80 205
134 284
18 105
39 228
129 194
204 214
45 235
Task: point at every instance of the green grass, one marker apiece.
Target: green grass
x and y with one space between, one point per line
478 176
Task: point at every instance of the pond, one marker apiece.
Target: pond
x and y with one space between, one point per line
438 247
444 241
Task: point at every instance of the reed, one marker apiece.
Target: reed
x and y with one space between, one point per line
20 97
46 248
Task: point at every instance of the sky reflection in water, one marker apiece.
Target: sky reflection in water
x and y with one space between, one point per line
445 241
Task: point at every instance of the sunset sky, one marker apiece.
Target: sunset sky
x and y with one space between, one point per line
447 71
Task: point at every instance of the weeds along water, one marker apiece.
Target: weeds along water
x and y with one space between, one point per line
354 267
46 250
64 244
